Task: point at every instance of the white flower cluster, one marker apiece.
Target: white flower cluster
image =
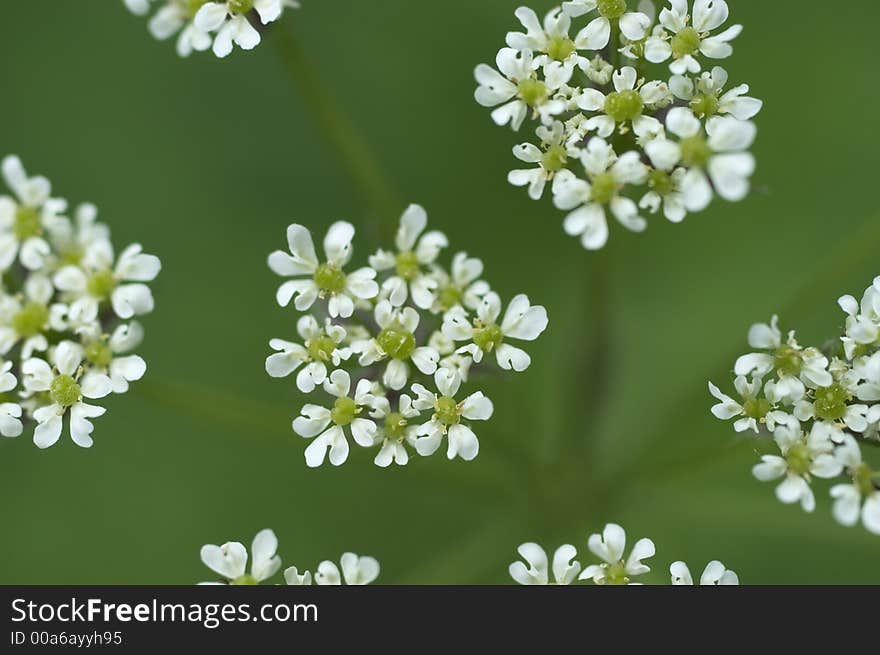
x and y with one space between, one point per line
819 406
201 24
67 305
614 569
229 561
604 99
403 322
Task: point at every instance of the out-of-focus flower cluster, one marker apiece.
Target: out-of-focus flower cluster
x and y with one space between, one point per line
68 308
630 119
821 406
202 24
391 346
230 563
615 567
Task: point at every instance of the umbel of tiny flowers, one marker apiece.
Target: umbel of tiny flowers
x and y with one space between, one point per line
393 348
202 25
67 333
615 569
817 408
615 131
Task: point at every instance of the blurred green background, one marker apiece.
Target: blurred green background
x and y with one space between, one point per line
206 162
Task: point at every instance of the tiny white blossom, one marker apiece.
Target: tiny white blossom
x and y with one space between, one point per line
597 34
229 20
322 346
610 547
860 498
229 561
10 412
356 570
691 38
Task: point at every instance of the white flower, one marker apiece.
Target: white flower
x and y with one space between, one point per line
229 19
107 355
396 342
517 88
597 34
416 251
394 430
25 218
551 39
715 574
551 157
610 547
754 411
29 319
175 16
324 280
624 105
67 384
356 570
97 280
863 320
707 97
10 412
448 412
607 176
721 157
229 561
320 347
522 321
565 571
316 421
861 497
690 39
461 286
803 456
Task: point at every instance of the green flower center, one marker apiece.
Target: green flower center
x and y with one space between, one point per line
615 574
449 297
71 254
330 278
344 411
604 188
241 6
321 348
624 106
99 354
407 265
560 48
788 360
447 410
554 159
532 92
863 479
705 105
661 182
830 403
799 459
395 426
27 223
686 42
30 320
101 284
757 408
65 391
612 9
396 342
695 151
488 337
245 580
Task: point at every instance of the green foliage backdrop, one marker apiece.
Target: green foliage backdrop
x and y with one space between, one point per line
206 162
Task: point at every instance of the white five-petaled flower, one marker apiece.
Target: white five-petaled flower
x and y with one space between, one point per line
10 412
327 426
719 155
551 39
522 321
715 574
322 346
448 415
518 89
691 38
565 567
230 20
66 384
324 280
461 286
28 319
803 456
754 411
396 342
863 320
229 561
394 429
610 547
415 253
107 355
624 105
860 498
707 97
597 34
551 157
97 280
586 199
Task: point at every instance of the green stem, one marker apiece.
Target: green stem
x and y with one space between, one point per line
350 146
